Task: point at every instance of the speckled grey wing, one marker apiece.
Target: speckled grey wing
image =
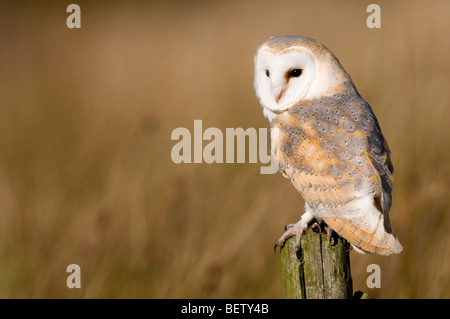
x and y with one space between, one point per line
332 148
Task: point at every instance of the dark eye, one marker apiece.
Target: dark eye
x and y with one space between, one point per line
296 73
267 73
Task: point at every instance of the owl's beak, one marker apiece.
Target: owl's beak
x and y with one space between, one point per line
278 92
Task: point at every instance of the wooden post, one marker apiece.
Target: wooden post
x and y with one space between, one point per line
323 271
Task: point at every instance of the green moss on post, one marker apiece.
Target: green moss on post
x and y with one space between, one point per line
323 271
291 272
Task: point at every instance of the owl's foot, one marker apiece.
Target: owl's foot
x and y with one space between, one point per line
296 230
321 226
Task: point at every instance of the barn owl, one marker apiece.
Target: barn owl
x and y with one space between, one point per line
328 142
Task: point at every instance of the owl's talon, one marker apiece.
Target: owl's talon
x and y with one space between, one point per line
296 230
277 244
316 227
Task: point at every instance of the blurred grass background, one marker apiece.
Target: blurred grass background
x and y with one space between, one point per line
85 122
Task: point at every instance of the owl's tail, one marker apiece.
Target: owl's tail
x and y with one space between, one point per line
376 241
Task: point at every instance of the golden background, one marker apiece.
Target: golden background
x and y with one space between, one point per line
86 117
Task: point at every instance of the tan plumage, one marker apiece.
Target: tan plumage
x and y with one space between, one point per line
327 141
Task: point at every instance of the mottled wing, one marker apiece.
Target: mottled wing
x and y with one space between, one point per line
324 149
379 155
333 151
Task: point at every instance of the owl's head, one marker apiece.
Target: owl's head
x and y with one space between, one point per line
290 69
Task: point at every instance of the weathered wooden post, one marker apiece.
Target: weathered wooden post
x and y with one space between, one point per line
322 272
